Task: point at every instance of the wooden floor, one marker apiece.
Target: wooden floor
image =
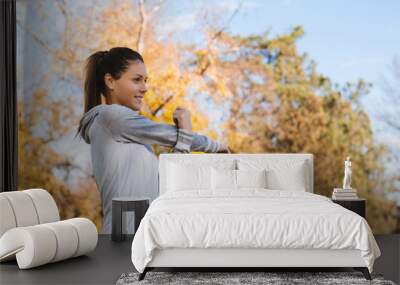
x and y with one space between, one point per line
111 259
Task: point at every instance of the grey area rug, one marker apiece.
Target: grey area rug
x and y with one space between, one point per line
225 278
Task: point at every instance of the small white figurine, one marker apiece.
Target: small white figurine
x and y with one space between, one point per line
347 174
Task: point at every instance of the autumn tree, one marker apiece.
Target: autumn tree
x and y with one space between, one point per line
279 103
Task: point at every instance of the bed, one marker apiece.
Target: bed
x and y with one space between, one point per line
247 210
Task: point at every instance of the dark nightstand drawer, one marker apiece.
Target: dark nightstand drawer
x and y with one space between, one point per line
357 206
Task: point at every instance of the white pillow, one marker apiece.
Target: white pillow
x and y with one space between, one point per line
183 177
293 180
279 181
251 178
223 179
281 174
229 179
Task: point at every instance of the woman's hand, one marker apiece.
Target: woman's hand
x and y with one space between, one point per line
182 119
224 149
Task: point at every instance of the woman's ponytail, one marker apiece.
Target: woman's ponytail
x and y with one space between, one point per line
94 85
94 80
115 61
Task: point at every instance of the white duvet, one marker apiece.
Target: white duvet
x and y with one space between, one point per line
252 218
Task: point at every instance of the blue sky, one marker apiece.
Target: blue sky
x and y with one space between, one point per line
347 39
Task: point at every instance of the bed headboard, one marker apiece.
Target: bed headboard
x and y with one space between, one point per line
268 160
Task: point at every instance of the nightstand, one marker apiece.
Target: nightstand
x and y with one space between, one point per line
357 206
124 204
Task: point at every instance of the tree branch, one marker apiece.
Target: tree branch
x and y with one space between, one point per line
217 34
222 29
142 26
154 113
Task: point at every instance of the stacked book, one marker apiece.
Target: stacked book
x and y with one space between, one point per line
344 194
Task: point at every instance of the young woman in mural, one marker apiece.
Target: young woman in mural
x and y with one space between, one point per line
123 161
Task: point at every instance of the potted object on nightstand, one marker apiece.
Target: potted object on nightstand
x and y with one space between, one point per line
347 196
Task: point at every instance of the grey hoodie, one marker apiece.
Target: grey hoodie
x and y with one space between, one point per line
124 164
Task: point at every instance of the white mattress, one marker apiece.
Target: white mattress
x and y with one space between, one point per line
252 218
